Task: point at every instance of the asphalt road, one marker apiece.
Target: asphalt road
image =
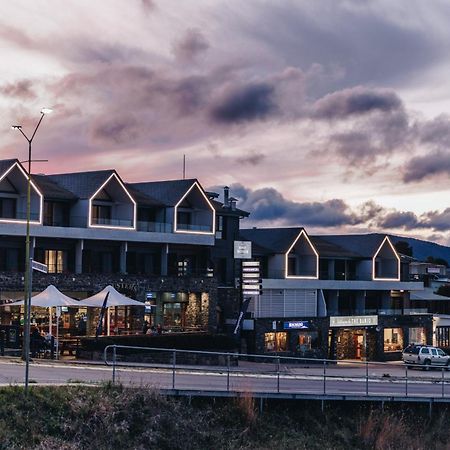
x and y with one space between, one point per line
340 379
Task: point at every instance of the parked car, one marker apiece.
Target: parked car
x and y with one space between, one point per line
425 356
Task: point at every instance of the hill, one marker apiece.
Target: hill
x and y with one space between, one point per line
423 249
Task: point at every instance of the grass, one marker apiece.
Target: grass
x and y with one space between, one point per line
112 417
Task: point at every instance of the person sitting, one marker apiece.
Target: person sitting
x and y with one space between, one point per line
37 342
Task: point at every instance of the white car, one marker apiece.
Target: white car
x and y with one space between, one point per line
425 356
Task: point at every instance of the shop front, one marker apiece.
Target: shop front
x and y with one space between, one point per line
377 338
305 338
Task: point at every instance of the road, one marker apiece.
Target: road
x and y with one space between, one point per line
340 379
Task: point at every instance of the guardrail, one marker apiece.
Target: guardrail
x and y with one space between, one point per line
317 378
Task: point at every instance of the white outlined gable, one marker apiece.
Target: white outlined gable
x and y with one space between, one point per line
112 206
194 213
302 259
386 262
13 191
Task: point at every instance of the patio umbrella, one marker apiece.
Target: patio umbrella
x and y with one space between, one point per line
114 299
48 298
108 297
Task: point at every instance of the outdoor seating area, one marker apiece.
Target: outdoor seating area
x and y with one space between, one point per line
58 322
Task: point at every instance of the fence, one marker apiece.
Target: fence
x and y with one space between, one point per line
217 372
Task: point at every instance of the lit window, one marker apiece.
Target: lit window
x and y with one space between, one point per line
275 342
393 339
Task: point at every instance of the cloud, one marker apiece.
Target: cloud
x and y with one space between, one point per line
22 89
190 46
116 130
422 167
250 102
252 158
268 206
355 101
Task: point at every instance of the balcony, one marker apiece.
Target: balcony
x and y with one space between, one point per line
191 227
154 227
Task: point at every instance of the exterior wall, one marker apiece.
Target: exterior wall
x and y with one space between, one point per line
262 326
132 286
277 267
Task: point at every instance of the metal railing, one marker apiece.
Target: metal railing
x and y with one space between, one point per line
316 378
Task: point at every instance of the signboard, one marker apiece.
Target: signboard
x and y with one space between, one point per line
298 325
353 321
39 266
251 281
433 270
242 249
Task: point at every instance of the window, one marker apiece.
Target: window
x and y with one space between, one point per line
307 343
7 208
393 339
101 214
434 352
220 228
55 261
275 342
184 220
440 352
425 351
443 337
417 336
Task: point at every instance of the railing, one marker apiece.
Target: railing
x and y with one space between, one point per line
278 375
157 227
22 216
191 227
112 222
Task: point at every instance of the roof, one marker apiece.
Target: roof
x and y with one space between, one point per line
5 164
168 192
427 294
51 190
326 248
362 245
141 198
82 184
227 211
270 240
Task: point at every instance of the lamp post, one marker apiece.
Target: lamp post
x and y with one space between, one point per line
28 268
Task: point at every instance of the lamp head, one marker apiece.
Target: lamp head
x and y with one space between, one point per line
16 127
46 110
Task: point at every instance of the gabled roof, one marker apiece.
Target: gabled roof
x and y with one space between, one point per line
363 245
82 184
5 164
51 190
326 248
141 198
270 240
167 192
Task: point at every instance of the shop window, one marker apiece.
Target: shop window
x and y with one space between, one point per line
275 342
417 336
393 339
307 343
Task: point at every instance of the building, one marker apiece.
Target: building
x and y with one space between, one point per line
153 241
342 297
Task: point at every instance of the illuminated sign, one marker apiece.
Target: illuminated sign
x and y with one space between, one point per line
353 321
299 325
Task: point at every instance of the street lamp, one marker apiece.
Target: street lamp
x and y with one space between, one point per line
28 268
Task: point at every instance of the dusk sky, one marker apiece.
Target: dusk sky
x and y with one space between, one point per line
332 115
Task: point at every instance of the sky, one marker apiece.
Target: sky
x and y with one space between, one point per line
328 114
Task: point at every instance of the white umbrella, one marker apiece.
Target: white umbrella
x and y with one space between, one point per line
49 297
114 299
106 298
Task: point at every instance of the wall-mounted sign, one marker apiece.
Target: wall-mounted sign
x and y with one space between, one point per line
353 321
298 325
251 281
242 249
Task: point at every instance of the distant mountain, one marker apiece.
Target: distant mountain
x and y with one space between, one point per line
423 249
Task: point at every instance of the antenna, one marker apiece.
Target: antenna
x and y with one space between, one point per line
184 167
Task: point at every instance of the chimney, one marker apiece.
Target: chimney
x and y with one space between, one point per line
226 196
